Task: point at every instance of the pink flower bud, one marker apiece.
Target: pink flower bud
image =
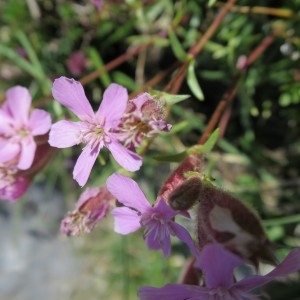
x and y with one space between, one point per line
92 206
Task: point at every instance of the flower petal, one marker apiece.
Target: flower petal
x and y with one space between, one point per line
70 93
174 292
16 190
113 105
126 220
5 123
126 158
127 192
8 150
217 264
39 122
64 134
84 164
184 236
18 102
159 238
27 153
289 265
165 210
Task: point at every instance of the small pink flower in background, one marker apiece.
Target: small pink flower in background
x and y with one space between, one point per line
76 63
98 4
138 213
19 126
144 117
217 265
94 130
92 206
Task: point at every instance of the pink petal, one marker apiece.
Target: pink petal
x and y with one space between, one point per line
70 93
8 150
289 265
164 209
27 153
18 103
64 134
39 122
174 292
14 191
127 192
184 236
5 124
126 220
217 264
84 164
126 158
159 238
113 105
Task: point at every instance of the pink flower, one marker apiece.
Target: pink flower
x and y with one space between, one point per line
15 182
98 4
91 207
18 127
12 186
76 63
94 130
137 213
144 117
217 265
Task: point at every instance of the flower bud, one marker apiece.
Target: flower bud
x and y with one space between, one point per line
92 206
224 219
186 194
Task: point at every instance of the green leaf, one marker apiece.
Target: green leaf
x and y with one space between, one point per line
178 157
24 41
208 146
124 80
193 82
18 60
177 48
98 63
169 98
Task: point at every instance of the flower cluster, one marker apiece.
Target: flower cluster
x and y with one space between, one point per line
228 235
95 130
144 117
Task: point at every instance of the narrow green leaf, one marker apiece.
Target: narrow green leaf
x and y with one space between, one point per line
172 99
124 79
176 46
24 41
178 157
18 60
211 3
98 63
208 146
169 98
193 82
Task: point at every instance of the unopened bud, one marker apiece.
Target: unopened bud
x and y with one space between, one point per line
224 219
186 194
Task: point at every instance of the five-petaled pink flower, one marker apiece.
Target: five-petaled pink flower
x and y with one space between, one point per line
95 130
157 220
218 264
19 126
